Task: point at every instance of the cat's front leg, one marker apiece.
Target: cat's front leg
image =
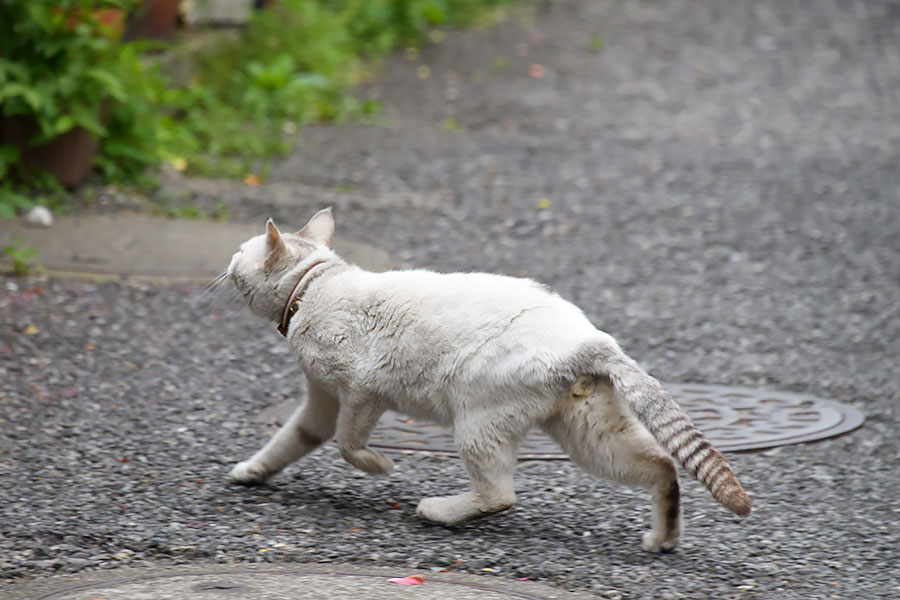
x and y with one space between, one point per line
357 419
311 425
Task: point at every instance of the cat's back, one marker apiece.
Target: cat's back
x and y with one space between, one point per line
411 335
459 290
462 302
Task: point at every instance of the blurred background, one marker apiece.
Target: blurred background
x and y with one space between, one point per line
105 91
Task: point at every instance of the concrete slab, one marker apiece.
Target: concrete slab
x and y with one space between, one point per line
267 582
217 12
131 244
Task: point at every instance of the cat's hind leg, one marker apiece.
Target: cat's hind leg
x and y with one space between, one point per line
488 451
608 443
311 425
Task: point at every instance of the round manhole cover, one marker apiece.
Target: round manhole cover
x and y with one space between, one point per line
297 583
732 418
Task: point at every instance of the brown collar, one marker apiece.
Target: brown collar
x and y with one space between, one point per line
293 302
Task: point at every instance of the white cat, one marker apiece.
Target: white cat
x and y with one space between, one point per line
489 355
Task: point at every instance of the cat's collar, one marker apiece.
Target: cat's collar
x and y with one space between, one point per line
293 302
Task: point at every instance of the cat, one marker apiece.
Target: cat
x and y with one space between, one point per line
489 355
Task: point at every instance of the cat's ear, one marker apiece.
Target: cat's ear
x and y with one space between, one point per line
320 228
275 247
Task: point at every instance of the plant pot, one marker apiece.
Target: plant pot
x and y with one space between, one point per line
112 19
68 157
153 20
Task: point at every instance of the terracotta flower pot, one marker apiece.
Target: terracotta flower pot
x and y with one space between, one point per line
68 157
112 19
153 20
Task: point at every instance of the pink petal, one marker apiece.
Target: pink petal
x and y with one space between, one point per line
411 580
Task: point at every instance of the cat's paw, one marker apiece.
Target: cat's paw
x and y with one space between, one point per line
452 510
653 542
247 473
447 510
369 461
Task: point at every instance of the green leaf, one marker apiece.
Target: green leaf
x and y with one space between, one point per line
10 70
63 124
111 83
311 80
17 90
8 155
87 117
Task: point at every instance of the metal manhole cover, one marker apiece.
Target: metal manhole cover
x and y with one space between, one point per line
732 418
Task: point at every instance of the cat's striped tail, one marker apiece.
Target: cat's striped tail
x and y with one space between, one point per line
672 428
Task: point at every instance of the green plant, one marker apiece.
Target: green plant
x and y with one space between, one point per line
11 201
62 68
246 98
183 211
19 255
450 124
221 213
132 141
376 26
295 62
14 198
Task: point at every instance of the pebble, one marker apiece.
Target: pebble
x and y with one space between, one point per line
39 216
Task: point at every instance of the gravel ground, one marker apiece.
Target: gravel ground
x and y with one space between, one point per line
717 186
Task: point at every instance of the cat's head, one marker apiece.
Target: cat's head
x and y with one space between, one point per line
265 268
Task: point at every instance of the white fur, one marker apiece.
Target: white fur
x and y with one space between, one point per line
490 356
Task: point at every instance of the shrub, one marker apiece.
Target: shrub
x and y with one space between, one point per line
244 99
62 68
254 91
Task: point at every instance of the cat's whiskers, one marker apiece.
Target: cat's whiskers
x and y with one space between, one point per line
217 288
217 284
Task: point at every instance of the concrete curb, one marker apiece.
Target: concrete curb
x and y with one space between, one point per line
270 582
147 247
